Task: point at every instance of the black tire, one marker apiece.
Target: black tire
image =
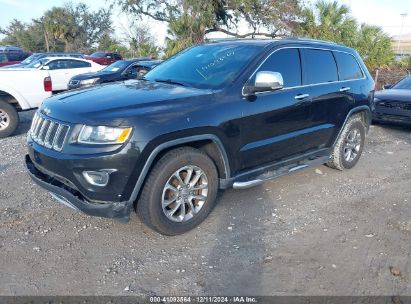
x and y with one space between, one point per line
149 206
339 159
9 119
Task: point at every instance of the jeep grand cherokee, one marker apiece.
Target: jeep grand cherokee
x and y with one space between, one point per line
218 115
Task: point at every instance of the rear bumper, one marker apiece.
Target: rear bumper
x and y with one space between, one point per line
72 198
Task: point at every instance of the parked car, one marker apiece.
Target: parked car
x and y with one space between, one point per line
393 104
117 71
25 88
10 58
10 48
62 69
37 56
218 115
104 58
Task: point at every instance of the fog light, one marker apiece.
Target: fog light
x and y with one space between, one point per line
98 178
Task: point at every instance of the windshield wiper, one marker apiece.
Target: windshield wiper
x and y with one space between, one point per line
170 81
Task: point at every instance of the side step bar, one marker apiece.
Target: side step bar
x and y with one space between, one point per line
279 172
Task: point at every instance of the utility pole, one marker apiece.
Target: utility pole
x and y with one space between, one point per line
403 15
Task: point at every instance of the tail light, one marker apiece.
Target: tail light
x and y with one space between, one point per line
47 84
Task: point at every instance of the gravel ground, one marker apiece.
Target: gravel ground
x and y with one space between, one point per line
313 232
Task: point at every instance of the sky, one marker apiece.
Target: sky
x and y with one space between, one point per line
384 13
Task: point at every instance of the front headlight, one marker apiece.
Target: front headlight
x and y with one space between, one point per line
100 135
89 81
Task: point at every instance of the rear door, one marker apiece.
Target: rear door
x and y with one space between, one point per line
276 124
59 70
329 100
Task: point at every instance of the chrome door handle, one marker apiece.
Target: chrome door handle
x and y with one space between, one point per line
345 89
301 96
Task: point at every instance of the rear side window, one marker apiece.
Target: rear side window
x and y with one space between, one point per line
348 67
319 66
76 64
286 62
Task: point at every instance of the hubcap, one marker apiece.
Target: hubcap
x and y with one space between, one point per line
4 120
185 193
352 145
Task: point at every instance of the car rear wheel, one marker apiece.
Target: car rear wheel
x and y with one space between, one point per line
9 119
179 192
350 144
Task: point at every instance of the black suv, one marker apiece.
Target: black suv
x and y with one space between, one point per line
219 115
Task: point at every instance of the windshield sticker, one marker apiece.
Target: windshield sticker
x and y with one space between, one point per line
206 70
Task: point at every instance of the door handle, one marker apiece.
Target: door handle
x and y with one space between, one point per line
301 96
345 89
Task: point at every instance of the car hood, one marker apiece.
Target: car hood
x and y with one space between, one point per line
393 94
94 75
109 104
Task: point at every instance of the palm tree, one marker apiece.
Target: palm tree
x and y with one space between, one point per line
61 25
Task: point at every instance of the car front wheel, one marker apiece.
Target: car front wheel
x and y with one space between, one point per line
179 192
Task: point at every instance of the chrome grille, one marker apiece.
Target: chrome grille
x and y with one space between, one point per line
48 133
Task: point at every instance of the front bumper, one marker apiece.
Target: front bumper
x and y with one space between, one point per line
73 198
389 118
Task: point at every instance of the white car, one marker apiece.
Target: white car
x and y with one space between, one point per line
26 88
62 69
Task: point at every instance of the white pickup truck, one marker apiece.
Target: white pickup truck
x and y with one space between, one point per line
25 88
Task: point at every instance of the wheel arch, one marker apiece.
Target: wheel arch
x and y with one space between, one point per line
365 113
13 98
208 143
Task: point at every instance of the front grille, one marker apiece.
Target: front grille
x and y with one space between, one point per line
394 107
48 133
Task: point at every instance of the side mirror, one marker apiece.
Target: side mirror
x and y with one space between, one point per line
266 81
46 67
387 86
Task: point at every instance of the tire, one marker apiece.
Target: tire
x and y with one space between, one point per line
163 194
347 151
9 119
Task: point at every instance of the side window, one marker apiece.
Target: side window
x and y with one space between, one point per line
117 57
348 67
77 64
3 58
13 57
59 65
319 66
286 62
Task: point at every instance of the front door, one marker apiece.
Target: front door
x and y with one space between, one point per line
277 123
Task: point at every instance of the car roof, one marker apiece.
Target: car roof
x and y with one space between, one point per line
66 58
282 41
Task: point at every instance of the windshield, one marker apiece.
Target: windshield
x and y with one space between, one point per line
116 66
404 84
30 59
98 54
206 66
37 63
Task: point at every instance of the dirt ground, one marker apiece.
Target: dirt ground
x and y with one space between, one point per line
314 232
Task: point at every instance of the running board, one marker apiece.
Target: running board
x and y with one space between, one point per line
279 172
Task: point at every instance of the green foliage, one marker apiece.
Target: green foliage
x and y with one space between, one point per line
66 28
331 21
190 20
28 36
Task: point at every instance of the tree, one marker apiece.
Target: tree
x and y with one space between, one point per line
141 43
331 21
27 36
76 26
190 20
